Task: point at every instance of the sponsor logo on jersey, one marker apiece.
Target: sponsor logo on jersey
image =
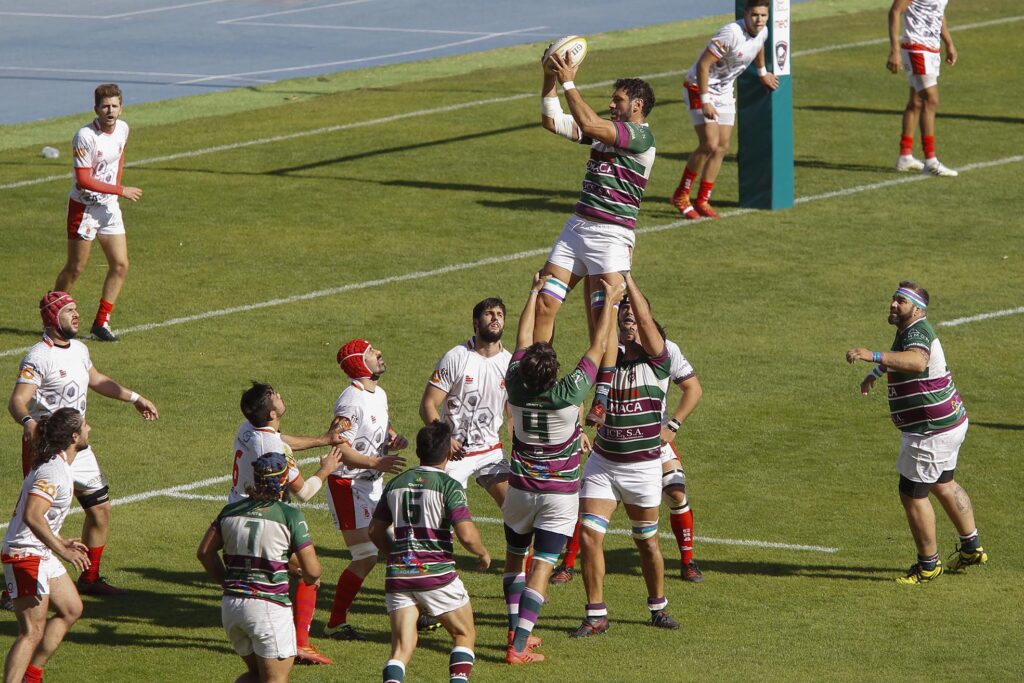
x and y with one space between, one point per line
344 424
63 373
373 419
27 373
469 380
46 487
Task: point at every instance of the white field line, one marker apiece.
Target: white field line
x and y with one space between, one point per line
368 29
883 41
982 316
168 8
505 258
182 490
294 11
326 130
359 60
108 72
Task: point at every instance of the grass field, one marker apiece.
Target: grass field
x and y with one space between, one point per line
396 208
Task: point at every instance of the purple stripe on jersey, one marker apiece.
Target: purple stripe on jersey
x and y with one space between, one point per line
461 514
419 583
257 587
639 456
518 355
588 367
307 543
247 561
531 451
934 412
543 485
585 211
617 196
918 386
621 134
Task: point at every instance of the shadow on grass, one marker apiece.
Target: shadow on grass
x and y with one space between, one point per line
999 425
897 113
823 571
20 332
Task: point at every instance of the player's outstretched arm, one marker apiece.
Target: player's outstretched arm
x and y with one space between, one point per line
552 117
303 489
605 328
524 334
895 19
650 337
208 554
469 537
587 120
911 360
105 386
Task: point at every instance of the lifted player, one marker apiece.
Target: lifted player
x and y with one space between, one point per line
93 211
55 373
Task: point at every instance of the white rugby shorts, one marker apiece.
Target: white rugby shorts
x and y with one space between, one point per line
723 102
259 627
588 248
85 471
525 511
923 458
352 501
434 602
634 483
489 464
89 221
922 67
30 575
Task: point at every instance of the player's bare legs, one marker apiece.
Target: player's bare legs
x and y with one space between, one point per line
116 249
78 257
592 547
266 670
912 114
38 638
550 300
97 525
652 563
921 518
364 559
403 633
497 487
957 505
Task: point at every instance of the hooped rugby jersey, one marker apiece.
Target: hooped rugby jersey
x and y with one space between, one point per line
922 25
926 402
259 536
61 375
423 504
102 152
632 427
474 407
617 175
363 422
250 443
735 50
51 481
546 444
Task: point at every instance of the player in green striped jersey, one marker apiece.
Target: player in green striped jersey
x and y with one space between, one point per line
258 536
926 407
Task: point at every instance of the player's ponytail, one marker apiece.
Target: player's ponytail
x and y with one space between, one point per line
54 433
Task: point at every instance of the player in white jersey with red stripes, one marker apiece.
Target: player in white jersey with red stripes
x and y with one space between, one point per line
918 50
57 373
469 381
709 90
93 211
33 547
354 489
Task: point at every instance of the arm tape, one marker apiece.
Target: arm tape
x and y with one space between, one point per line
552 109
309 489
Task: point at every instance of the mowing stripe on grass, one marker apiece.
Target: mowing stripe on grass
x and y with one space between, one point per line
982 316
443 110
421 274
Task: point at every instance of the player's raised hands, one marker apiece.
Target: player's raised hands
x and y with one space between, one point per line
389 464
613 293
146 408
563 69
332 460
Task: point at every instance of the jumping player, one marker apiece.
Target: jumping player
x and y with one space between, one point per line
258 535
597 241
625 467
361 416
423 504
263 408
917 50
542 504
56 373
93 211
469 381
33 547
709 90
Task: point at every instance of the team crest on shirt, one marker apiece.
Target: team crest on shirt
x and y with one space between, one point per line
436 377
469 380
81 153
46 487
373 419
344 424
63 373
27 373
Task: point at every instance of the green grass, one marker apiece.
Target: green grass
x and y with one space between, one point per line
765 304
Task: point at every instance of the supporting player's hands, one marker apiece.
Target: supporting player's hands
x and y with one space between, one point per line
613 293
146 408
131 193
332 460
74 551
854 355
458 451
868 384
770 81
333 437
389 464
893 64
562 68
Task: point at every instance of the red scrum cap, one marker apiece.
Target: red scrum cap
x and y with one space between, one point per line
352 361
51 305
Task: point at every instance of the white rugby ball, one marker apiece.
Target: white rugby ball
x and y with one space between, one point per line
573 48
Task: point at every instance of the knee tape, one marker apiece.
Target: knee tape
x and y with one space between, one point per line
550 558
673 478
594 522
643 530
361 551
89 499
555 288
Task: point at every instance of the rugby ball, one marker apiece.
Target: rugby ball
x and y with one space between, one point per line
573 48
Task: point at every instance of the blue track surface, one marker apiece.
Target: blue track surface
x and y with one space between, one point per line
54 52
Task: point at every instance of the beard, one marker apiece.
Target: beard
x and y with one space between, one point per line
67 332
490 337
